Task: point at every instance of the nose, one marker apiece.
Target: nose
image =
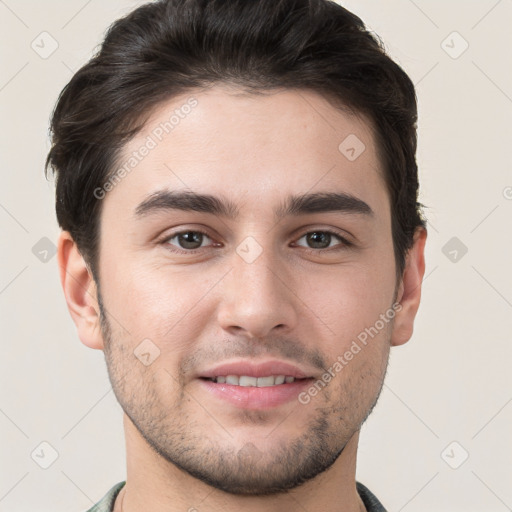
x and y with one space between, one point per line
258 297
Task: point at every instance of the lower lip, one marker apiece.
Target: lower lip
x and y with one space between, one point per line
254 397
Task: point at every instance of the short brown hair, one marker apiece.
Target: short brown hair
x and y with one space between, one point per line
167 47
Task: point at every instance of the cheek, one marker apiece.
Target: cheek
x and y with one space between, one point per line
351 300
159 304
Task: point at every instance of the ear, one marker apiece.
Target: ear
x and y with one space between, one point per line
409 291
80 291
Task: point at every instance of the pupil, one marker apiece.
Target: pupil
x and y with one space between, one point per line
188 239
317 236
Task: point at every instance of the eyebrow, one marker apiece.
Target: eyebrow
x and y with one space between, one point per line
295 205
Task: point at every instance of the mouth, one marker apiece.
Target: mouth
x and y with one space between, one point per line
248 381
255 386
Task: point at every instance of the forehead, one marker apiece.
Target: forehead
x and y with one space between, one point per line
251 146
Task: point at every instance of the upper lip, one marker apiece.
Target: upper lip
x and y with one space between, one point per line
253 369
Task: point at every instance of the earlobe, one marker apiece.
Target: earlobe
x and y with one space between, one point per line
409 291
80 291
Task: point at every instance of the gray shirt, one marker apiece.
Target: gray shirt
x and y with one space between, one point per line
106 504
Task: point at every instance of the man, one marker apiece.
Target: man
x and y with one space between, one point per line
237 189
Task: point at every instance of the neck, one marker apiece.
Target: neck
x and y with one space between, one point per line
155 485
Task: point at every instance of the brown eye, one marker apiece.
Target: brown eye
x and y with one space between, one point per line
319 239
187 240
322 239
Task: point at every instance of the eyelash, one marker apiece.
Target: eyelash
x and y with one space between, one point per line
343 245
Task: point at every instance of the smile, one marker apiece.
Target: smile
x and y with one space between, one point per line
248 381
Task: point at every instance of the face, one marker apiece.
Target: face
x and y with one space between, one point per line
284 271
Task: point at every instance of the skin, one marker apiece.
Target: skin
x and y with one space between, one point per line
212 306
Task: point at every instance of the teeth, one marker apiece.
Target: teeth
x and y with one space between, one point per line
260 382
247 381
264 382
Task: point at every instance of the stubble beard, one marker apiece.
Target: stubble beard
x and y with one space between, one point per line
239 470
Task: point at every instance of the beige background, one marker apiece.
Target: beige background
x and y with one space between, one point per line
451 383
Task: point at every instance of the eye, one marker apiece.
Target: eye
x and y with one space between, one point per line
189 241
322 239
